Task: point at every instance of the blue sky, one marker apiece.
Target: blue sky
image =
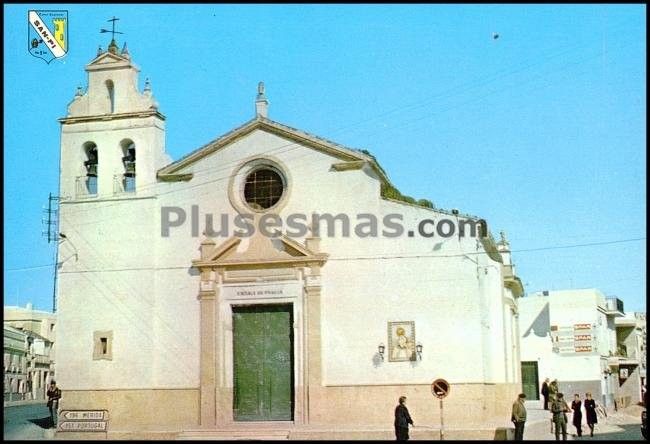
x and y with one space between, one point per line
541 132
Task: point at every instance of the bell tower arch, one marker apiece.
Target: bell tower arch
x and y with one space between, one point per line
110 111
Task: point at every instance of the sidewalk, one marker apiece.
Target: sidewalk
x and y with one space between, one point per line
538 424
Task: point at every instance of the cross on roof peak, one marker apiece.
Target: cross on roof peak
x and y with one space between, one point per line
112 31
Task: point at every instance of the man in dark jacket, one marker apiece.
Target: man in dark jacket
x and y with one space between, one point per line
53 396
402 420
545 393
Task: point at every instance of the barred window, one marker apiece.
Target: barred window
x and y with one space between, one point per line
263 188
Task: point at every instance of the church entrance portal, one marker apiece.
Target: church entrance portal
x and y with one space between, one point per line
263 363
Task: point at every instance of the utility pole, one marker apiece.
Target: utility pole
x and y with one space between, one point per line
51 231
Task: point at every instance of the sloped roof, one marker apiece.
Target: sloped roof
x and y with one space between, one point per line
169 172
108 60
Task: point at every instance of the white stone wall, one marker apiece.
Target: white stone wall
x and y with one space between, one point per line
148 134
126 97
120 274
570 307
565 308
456 302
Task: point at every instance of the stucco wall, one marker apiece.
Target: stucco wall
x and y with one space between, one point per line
575 373
121 275
456 302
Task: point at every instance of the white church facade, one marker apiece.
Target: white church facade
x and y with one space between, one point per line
176 326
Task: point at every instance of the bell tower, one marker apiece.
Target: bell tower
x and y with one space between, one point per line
113 136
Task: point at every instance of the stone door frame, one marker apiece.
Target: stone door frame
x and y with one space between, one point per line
221 275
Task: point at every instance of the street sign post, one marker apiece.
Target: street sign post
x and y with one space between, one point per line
84 415
82 426
83 421
440 389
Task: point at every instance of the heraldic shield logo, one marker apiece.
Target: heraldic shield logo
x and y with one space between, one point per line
47 34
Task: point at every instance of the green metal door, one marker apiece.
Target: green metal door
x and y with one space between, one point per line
530 380
263 363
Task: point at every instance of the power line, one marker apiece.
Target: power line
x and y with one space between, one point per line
379 257
580 245
291 146
29 268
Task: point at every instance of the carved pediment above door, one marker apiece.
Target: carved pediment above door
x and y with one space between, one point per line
257 251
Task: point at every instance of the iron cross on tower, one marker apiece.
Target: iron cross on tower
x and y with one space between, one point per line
113 31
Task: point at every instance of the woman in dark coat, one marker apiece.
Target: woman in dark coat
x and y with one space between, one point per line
577 414
590 408
402 420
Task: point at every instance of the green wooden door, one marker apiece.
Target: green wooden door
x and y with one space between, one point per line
263 363
530 380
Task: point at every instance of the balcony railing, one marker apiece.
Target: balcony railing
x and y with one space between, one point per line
40 359
123 184
86 187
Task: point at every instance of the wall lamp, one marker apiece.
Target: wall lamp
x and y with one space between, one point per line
418 349
63 238
381 348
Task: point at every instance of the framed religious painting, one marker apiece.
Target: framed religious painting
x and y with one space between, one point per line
401 341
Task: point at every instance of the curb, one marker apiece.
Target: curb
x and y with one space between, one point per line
19 403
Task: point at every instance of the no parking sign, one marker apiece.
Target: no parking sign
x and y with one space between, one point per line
440 389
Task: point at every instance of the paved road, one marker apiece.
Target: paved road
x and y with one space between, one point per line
30 421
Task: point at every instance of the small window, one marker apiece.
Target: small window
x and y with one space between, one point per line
103 345
110 88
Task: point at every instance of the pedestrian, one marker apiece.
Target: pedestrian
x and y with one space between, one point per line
53 396
559 408
402 420
576 406
518 416
592 417
552 390
552 396
545 393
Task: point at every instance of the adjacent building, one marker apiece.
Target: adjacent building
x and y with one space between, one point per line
15 364
631 355
570 335
37 328
175 325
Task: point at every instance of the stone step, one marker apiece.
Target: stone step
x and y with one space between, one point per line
235 434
